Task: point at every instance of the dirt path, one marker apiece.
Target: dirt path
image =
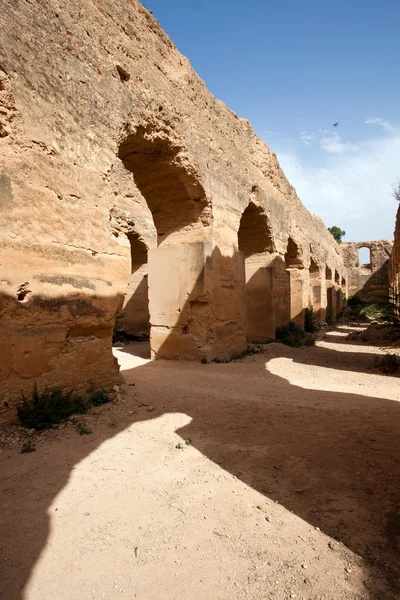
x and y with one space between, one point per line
288 489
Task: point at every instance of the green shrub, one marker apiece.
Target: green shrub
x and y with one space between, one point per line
386 312
310 321
246 352
355 301
28 447
50 407
292 335
98 398
83 430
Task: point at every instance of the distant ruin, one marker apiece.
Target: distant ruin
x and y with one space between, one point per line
125 186
368 281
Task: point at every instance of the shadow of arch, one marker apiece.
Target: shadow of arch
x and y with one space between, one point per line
256 242
300 447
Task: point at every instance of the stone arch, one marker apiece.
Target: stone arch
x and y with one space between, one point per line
315 287
170 185
256 243
254 235
315 271
298 291
328 274
293 256
133 319
337 278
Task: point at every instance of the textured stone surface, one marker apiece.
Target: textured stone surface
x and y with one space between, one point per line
395 263
368 281
108 140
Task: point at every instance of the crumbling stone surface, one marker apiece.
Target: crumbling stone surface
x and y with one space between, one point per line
394 273
108 135
368 281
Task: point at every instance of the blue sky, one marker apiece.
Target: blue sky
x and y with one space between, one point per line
293 69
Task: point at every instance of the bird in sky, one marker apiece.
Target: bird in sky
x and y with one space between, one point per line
336 124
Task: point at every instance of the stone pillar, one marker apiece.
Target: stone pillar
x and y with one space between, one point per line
296 296
197 302
259 300
317 300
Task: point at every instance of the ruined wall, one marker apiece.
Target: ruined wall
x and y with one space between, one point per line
370 281
107 135
394 272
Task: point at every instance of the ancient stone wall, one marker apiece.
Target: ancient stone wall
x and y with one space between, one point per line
394 273
369 281
117 163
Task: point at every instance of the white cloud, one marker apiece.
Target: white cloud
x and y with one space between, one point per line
351 190
307 138
334 145
378 121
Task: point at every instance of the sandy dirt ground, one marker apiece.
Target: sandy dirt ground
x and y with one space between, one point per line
288 485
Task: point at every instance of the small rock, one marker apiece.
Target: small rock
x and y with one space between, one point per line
317 529
150 408
116 388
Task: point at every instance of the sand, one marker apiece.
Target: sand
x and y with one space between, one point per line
273 477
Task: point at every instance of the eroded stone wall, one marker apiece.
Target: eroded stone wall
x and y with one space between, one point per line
370 281
107 135
394 273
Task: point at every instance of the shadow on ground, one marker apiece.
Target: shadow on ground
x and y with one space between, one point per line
330 457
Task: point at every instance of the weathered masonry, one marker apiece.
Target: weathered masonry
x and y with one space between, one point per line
369 280
394 270
126 186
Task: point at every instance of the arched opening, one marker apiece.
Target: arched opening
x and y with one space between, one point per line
328 275
293 258
343 283
364 257
337 278
315 287
254 235
315 271
135 317
256 243
295 277
169 184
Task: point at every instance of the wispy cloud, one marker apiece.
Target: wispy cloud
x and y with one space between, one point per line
307 138
333 144
378 121
348 188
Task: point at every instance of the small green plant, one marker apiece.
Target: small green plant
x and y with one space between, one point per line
83 430
357 264
49 408
310 321
98 398
28 447
238 356
292 335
